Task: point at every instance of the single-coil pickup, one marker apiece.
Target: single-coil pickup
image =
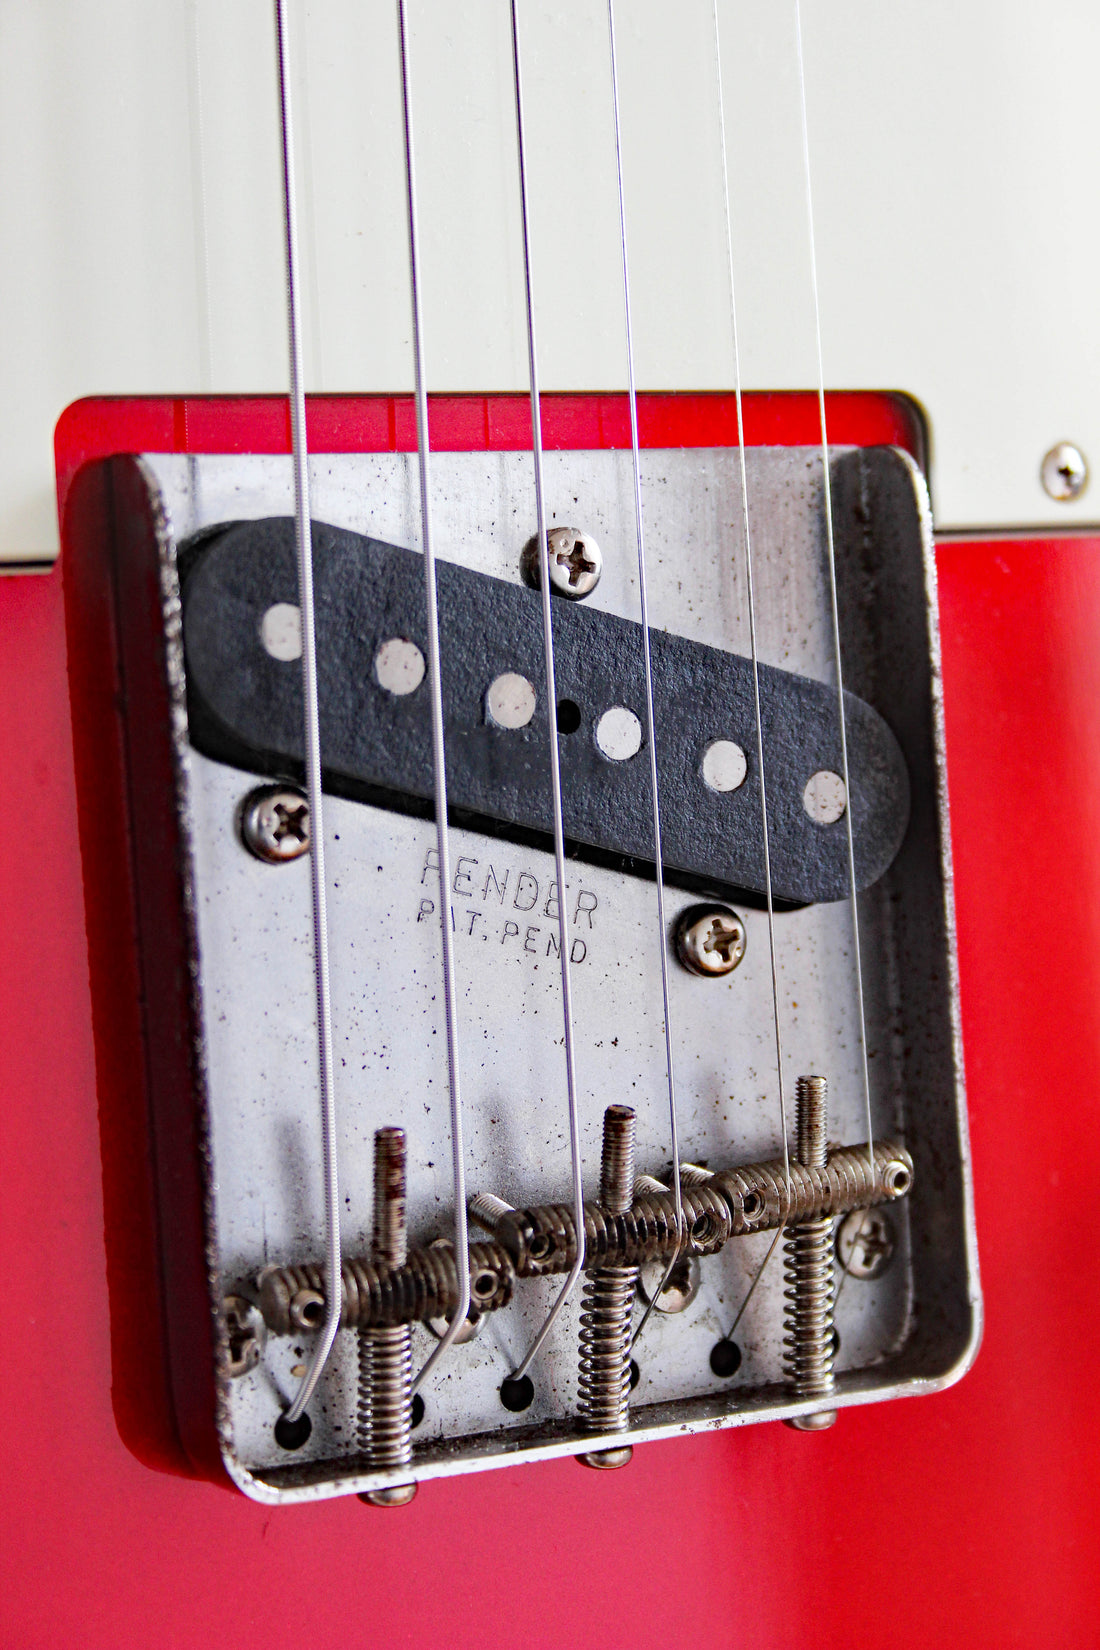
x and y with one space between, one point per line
244 707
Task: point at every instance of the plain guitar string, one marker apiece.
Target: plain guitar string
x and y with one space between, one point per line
304 547
651 732
756 655
834 605
551 721
750 585
439 772
830 544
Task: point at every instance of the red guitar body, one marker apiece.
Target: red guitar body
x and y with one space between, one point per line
966 1518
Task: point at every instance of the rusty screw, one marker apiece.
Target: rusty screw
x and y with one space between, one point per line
574 558
608 1303
275 823
808 1273
245 1332
709 939
385 1355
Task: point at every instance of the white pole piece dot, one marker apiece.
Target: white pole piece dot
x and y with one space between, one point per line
619 734
724 765
510 700
281 631
399 666
824 798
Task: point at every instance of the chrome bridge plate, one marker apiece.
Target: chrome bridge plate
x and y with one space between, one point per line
911 1328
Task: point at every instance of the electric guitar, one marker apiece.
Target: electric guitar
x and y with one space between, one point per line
520 905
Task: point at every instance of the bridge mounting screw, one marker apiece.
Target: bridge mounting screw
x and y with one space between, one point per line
275 823
865 1243
608 1303
575 559
1064 472
808 1274
709 939
385 1354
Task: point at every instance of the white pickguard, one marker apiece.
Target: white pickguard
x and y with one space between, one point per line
956 236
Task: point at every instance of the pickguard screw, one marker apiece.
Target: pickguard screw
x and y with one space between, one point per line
709 939
385 1355
575 560
808 1274
275 823
1064 472
865 1243
608 1303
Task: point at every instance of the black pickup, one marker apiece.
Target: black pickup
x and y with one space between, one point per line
245 708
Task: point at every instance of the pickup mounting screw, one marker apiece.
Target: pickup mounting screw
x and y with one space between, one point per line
709 939
808 1274
385 1354
576 562
275 823
1064 472
608 1303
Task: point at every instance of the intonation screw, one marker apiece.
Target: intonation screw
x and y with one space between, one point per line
385 1355
808 1274
608 1303
488 1210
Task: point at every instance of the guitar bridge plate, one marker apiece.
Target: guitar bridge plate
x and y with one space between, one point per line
231 1025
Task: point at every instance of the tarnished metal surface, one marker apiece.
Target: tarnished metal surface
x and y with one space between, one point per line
808 1269
253 936
541 1242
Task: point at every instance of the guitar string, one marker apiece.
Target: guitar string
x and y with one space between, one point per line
439 768
333 1259
201 207
312 733
651 732
552 726
754 648
835 621
830 542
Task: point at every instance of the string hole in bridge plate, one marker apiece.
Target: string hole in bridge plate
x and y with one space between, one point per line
619 734
825 798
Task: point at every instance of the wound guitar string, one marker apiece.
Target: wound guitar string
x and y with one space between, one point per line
552 726
750 586
304 548
834 607
439 768
651 732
